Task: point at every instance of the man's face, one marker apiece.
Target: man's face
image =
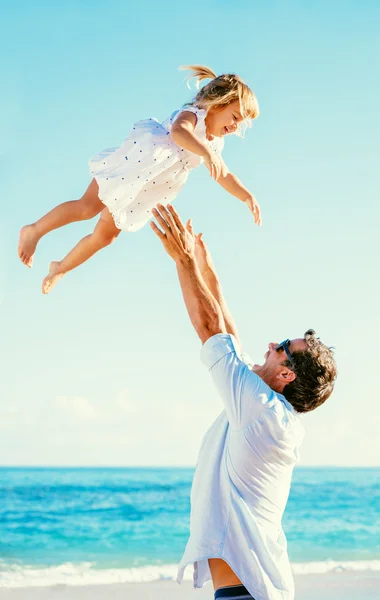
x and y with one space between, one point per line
273 371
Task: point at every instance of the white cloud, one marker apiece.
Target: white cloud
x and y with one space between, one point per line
125 404
77 406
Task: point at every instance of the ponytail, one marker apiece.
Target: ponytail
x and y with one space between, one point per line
221 91
199 72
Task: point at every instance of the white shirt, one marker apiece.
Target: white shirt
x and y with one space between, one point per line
242 480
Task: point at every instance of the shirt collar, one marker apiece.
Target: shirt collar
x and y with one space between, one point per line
289 406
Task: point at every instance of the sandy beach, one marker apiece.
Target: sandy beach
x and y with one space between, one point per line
332 586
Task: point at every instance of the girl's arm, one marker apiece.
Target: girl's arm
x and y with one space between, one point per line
234 186
183 135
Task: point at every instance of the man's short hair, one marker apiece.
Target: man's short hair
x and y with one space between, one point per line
316 372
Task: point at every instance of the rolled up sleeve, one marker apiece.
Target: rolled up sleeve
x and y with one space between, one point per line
244 394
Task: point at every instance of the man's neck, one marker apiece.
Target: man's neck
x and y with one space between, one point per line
273 382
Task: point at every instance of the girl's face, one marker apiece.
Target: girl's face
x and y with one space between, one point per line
223 121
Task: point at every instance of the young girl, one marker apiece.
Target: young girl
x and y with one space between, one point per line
151 166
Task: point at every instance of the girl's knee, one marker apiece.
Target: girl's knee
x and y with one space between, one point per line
88 210
105 238
111 238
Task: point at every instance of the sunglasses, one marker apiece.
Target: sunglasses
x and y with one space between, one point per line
285 346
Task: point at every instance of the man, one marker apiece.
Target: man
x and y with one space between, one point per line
242 481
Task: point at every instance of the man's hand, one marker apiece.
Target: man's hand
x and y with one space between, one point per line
178 240
202 254
180 243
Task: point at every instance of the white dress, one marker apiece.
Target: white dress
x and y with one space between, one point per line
149 167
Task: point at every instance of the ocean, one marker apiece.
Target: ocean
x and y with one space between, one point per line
108 525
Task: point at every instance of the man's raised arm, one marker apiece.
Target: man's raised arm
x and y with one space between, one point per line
211 279
204 310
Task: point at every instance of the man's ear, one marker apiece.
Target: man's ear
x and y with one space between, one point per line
286 376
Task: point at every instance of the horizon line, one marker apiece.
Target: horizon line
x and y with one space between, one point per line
110 466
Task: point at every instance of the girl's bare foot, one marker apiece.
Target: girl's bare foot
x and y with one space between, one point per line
52 278
27 245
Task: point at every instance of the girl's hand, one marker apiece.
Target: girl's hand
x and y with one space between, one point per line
255 209
214 164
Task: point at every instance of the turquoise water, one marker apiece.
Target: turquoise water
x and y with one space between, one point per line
125 518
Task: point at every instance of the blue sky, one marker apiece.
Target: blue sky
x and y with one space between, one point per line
105 370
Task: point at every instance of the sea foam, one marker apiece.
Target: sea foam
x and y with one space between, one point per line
16 576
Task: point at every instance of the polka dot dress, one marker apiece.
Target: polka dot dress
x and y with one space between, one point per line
146 169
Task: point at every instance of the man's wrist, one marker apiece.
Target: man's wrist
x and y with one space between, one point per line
206 271
186 260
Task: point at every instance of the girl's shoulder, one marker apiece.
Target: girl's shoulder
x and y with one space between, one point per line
200 113
216 144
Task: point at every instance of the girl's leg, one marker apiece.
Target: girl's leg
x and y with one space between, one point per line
68 212
104 233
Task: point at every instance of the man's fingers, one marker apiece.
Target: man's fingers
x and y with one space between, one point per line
176 218
189 227
157 231
157 215
169 225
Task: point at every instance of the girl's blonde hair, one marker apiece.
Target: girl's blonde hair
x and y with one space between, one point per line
222 90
